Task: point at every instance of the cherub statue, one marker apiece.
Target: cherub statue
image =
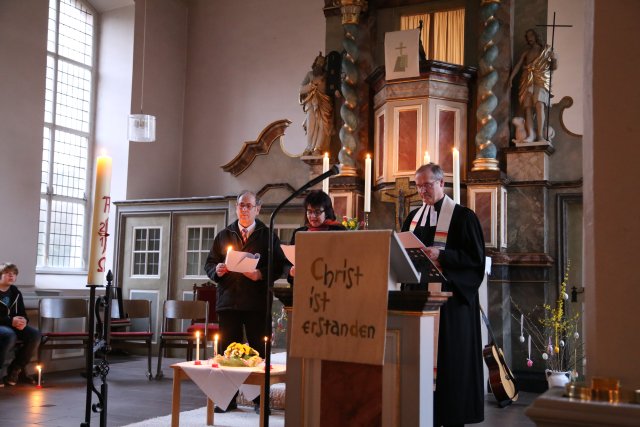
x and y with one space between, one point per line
537 63
318 107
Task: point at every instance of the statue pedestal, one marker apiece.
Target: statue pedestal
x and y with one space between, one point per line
528 162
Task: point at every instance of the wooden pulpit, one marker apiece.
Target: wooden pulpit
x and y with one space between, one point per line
359 352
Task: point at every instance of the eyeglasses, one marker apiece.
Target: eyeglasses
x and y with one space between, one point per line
315 212
429 184
245 206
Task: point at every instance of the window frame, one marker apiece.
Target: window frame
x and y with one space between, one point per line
43 263
132 273
201 251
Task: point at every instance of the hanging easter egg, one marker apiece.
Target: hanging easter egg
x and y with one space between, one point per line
556 349
576 335
545 356
574 374
565 296
529 363
521 338
561 343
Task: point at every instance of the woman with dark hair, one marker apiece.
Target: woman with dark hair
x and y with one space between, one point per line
318 216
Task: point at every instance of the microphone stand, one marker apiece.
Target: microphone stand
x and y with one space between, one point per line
267 361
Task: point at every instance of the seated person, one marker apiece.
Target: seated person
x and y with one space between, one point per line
14 325
319 216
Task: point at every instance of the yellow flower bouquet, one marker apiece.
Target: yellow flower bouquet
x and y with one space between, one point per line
352 223
238 355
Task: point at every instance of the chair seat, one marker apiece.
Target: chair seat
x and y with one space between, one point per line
177 334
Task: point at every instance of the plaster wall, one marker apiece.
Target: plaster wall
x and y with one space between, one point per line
246 61
22 89
611 208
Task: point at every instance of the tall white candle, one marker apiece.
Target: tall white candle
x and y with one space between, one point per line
197 345
427 158
367 184
521 324
215 345
100 221
265 347
39 368
325 168
456 175
226 259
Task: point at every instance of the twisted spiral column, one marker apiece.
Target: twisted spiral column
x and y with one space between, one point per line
349 109
486 151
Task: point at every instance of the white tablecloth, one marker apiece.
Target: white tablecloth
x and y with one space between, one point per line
221 384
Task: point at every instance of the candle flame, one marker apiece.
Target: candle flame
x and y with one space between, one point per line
39 368
215 337
197 334
455 150
326 155
229 248
368 156
266 339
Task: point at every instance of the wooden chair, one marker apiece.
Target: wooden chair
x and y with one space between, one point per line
206 292
172 335
52 309
136 309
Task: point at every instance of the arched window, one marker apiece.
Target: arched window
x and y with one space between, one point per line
67 135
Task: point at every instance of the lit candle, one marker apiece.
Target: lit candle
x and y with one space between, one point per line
325 168
456 175
215 345
100 222
265 347
229 248
427 158
39 368
367 184
197 346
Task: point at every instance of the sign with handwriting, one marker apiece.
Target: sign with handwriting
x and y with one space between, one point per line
340 296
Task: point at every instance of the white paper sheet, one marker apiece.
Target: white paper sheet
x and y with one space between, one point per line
410 240
290 253
241 262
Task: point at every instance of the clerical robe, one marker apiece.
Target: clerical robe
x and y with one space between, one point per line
459 395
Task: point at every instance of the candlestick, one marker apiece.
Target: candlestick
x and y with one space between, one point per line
367 184
100 221
427 158
215 345
325 168
456 175
197 346
39 368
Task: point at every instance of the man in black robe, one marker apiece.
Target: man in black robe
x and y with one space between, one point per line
459 252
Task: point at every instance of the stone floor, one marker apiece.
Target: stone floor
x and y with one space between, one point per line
133 398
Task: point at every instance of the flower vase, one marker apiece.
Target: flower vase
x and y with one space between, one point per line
557 378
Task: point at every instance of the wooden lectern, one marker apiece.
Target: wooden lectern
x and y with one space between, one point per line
397 391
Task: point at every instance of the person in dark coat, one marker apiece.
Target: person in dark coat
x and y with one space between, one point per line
318 216
241 297
14 325
458 250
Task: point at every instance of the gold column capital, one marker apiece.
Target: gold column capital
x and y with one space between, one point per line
351 9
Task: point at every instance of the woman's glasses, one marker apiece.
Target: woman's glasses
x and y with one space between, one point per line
315 212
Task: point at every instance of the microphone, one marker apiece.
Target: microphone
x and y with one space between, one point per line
267 357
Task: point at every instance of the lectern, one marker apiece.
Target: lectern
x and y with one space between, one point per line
326 384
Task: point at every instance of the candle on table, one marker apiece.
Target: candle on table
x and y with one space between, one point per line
456 175
100 221
325 168
265 347
215 345
39 368
427 158
367 184
197 346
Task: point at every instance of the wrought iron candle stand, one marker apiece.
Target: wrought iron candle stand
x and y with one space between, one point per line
99 307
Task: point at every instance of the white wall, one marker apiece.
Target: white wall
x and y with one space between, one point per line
22 88
568 79
245 65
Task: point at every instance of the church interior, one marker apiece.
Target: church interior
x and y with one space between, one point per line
223 84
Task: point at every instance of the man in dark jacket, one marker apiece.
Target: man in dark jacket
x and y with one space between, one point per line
241 297
14 326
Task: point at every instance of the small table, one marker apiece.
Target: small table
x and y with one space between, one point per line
256 377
